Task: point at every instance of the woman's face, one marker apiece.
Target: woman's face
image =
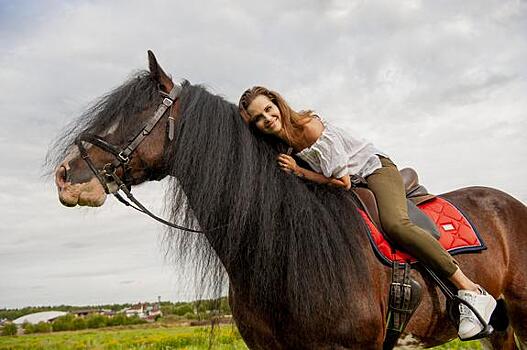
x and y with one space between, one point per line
265 115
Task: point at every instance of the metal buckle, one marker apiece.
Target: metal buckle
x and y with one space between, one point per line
167 102
122 158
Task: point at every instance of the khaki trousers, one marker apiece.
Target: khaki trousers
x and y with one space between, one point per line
387 185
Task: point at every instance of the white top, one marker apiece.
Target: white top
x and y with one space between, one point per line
336 153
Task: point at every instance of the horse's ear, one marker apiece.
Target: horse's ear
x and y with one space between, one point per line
158 73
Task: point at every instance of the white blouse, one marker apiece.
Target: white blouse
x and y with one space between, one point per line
336 153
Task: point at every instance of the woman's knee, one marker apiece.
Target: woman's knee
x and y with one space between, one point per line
396 229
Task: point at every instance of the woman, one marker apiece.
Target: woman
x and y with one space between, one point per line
334 155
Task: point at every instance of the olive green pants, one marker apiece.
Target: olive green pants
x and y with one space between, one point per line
387 185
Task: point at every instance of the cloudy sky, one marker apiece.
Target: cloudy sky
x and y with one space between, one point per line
438 85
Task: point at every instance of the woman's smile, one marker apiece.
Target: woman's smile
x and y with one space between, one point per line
265 115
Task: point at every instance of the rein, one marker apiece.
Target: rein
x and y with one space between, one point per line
107 176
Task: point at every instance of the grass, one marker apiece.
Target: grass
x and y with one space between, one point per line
146 337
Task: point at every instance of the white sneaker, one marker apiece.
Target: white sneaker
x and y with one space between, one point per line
484 304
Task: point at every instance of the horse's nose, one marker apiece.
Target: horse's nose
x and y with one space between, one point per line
61 176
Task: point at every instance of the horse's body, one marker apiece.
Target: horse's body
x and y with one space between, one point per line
301 270
500 270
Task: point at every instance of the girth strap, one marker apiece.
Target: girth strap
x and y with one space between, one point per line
405 297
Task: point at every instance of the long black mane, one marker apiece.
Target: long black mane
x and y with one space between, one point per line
290 246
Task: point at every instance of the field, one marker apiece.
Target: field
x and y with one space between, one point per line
145 337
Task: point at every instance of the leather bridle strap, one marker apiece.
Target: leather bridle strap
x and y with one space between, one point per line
122 159
140 207
167 102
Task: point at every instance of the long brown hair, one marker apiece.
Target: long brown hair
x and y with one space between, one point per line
292 121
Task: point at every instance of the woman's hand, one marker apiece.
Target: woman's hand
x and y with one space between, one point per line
287 163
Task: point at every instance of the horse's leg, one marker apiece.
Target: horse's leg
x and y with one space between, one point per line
505 229
500 341
515 291
517 307
255 333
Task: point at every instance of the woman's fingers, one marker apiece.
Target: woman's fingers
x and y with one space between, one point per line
286 165
284 156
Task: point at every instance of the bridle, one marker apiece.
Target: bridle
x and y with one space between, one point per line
107 176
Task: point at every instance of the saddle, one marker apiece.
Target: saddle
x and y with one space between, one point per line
415 194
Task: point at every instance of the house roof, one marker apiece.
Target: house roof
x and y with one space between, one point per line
37 317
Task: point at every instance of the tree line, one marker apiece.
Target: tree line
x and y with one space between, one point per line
203 306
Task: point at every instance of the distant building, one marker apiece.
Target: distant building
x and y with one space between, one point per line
87 312
37 317
143 310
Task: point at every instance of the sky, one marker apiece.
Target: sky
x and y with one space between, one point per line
440 86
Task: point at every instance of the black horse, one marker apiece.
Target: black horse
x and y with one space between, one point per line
301 272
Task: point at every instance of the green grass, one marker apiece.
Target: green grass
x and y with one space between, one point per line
146 337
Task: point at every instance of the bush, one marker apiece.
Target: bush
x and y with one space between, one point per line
183 310
96 321
63 323
9 329
79 323
117 320
190 316
43 327
28 328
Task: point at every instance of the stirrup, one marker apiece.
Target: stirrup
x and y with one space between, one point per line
485 332
487 328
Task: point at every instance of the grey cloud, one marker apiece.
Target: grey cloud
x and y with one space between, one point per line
423 80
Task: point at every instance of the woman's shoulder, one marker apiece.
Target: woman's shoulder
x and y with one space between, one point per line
313 129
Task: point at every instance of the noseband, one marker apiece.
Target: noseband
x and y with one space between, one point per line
107 176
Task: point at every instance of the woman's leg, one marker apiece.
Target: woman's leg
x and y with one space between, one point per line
387 185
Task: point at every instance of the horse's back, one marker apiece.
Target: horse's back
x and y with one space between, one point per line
494 213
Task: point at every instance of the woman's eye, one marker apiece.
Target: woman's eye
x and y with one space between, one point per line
268 108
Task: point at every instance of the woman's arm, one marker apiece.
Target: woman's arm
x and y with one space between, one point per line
288 164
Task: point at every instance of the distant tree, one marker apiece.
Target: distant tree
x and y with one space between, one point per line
225 308
184 309
9 329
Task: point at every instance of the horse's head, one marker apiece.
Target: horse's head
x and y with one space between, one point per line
120 141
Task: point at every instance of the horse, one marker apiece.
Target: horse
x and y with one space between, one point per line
300 268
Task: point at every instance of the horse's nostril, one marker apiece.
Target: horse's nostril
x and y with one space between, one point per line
61 176
64 173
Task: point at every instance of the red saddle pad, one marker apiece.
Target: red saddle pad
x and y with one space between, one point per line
458 235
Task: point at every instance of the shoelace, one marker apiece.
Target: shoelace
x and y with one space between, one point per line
464 311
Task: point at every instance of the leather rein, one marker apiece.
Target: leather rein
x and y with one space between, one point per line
107 176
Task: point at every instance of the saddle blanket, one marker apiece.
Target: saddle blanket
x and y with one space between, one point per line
458 235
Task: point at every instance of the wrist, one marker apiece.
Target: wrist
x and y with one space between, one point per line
298 171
